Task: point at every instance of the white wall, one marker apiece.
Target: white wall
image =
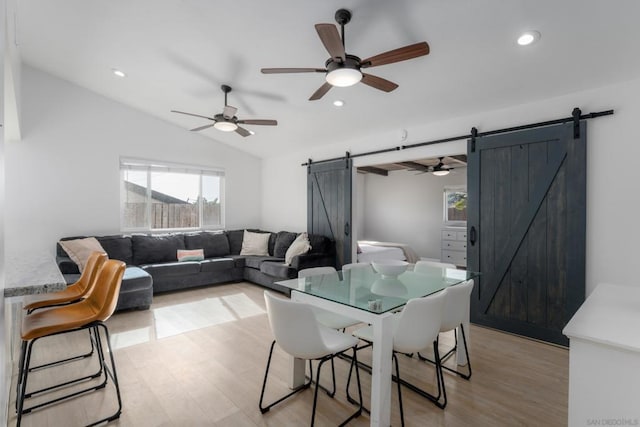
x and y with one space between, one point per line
4 346
63 176
612 196
407 207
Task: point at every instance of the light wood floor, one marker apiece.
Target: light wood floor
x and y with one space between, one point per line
197 358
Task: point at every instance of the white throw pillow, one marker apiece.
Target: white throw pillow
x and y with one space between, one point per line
255 243
80 249
299 246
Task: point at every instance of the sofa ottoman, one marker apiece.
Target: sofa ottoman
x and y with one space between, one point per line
136 290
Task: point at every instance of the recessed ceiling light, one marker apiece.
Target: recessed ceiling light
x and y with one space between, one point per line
528 38
338 102
252 132
118 72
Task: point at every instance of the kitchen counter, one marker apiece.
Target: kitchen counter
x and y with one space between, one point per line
29 274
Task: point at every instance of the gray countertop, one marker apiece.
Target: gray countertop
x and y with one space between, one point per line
28 274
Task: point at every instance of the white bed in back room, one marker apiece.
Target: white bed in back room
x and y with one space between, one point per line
373 251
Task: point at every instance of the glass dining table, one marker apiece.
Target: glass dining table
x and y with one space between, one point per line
372 298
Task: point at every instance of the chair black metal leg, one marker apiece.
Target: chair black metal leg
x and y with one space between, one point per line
450 352
264 409
466 351
69 359
23 351
440 376
354 361
310 377
95 375
315 393
399 382
109 372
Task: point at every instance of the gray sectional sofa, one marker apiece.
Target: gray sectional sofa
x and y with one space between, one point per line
152 265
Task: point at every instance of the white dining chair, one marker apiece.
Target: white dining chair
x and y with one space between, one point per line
456 311
422 266
298 333
352 265
325 317
414 328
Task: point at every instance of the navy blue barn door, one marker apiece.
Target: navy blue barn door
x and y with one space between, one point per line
329 204
526 229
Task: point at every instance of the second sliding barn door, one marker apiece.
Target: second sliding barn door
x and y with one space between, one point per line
526 229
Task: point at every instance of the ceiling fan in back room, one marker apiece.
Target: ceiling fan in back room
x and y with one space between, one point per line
343 69
227 120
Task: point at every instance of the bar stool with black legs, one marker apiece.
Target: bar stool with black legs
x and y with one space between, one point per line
90 313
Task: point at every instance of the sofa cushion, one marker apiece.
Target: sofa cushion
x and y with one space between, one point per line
215 244
235 240
79 250
150 249
255 261
298 247
136 278
117 247
217 264
320 244
278 269
282 243
173 268
255 243
185 255
238 260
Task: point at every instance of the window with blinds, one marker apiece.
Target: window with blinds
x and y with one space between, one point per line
162 196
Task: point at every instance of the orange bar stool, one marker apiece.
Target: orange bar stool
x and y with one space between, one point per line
72 293
90 313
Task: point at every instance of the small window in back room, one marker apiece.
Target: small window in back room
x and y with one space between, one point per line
170 197
455 205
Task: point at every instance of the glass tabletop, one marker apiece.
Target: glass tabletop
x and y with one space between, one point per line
365 289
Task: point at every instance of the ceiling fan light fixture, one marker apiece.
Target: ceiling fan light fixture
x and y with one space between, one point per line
442 172
225 126
343 77
528 38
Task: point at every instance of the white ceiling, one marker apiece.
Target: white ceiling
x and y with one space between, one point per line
177 53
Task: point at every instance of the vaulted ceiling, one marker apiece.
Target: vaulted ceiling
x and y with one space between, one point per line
177 54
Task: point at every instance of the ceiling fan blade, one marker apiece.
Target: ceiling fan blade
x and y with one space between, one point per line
321 92
292 70
397 55
243 131
229 111
331 39
191 114
258 122
202 127
378 82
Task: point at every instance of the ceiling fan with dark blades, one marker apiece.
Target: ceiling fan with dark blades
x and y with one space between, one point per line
441 169
227 120
343 69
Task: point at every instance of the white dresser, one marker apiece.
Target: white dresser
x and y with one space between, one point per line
454 246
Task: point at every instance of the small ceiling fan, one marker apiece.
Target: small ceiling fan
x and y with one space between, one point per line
227 120
343 69
441 169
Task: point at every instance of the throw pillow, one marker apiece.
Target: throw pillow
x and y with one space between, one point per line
299 246
284 239
80 249
190 255
255 243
